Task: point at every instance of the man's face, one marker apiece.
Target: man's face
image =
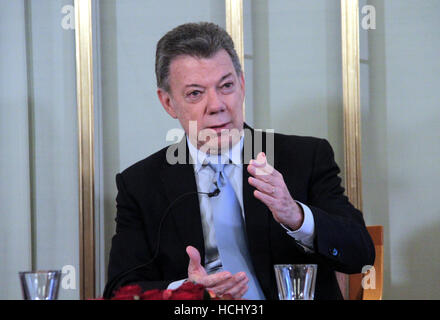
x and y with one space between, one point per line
208 93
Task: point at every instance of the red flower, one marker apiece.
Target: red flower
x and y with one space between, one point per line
130 292
155 294
187 291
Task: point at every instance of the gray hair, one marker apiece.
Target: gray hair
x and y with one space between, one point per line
202 40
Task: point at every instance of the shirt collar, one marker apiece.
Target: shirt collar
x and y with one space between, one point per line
200 158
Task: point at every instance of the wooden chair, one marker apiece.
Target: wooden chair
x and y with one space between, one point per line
356 291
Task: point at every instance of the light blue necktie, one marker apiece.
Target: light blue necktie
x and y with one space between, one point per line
230 233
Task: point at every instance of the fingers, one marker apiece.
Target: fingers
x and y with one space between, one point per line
239 289
215 280
263 186
265 178
269 201
236 285
260 167
271 189
230 283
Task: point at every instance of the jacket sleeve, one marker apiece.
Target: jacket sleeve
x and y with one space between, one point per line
341 237
131 258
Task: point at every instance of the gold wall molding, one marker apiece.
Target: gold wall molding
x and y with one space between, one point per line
351 110
234 26
351 100
84 80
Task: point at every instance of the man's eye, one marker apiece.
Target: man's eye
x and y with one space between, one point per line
228 85
194 94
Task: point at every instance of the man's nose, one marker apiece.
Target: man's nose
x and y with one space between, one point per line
215 103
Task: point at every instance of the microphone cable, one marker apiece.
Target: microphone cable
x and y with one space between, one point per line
108 291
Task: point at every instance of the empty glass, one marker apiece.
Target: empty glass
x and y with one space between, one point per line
40 285
296 281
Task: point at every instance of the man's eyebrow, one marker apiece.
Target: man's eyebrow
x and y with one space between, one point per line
226 76
200 86
193 85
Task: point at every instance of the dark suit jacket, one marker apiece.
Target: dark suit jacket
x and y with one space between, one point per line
147 188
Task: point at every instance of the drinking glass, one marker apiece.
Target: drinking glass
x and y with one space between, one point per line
296 281
40 285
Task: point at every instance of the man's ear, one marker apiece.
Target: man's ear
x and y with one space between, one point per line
165 100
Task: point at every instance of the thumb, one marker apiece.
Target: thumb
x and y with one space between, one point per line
194 256
195 269
260 160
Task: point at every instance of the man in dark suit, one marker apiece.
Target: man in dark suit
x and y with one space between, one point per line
289 203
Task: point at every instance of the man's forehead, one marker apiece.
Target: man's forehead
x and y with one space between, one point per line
187 68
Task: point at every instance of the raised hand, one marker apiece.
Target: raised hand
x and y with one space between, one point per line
273 192
220 283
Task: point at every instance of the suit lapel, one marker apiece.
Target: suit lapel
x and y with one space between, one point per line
257 220
256 212
256 216
181 187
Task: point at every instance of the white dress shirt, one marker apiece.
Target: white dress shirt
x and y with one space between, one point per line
204 179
